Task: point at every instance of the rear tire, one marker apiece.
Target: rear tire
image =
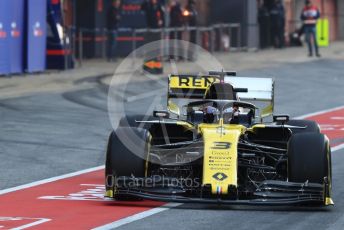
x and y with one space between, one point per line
311 126
121 161
309 158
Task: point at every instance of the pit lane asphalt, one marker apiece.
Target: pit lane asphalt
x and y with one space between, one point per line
49 134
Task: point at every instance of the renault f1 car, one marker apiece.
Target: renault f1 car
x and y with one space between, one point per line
213 145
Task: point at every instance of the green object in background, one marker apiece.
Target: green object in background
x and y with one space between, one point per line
323 32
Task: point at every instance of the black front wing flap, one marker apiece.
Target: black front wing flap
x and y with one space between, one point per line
269 193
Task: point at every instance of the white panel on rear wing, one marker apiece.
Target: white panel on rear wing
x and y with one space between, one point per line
260 89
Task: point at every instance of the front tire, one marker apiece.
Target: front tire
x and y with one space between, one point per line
121 161
309 158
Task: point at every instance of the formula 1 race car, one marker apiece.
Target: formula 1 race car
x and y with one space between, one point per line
213 145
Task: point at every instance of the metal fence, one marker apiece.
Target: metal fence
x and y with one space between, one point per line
95 42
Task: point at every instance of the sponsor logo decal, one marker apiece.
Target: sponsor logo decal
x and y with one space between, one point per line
220 176
3 33
37 30
14 30
221 145
191 82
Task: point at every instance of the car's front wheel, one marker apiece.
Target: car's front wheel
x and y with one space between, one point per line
309 158
126 156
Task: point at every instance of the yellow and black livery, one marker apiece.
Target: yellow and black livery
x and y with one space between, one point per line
212 146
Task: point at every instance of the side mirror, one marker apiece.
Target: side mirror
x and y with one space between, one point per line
173 108
185 110
281 118
161 114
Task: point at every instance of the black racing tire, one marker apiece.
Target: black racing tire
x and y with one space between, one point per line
121 161
311 126
130 121
309 158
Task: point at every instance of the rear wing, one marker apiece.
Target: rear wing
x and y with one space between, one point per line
194 87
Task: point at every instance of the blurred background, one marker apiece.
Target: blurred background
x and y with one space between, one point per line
57 63
36 35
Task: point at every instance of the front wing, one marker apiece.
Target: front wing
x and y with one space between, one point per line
269 193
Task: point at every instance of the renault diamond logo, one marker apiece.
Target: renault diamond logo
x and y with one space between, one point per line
220 176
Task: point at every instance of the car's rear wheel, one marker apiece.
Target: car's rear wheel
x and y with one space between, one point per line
121 161
309 158
310 126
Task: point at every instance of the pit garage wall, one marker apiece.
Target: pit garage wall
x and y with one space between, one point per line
244 12
340 12
252 25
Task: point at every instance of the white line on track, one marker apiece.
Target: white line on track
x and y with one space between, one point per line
336 148
137 216
143 214
41 221
319 112
45 181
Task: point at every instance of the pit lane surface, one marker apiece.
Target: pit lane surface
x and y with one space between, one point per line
47 135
